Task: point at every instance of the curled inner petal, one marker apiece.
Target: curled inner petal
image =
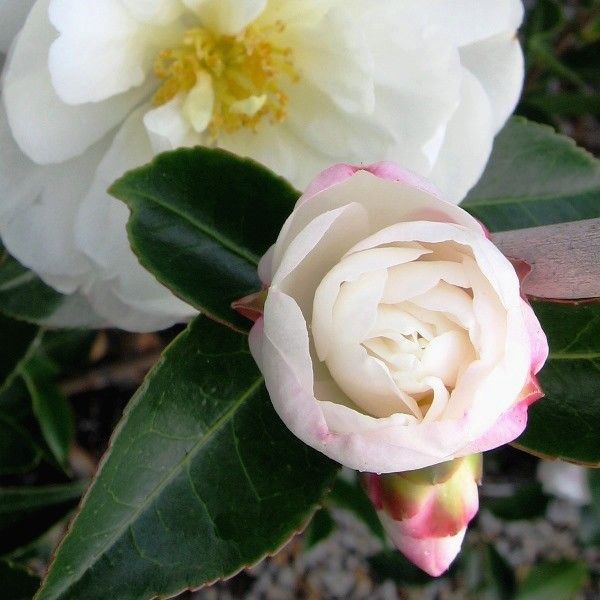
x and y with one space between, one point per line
395 325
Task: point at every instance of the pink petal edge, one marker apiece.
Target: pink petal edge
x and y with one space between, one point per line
384 170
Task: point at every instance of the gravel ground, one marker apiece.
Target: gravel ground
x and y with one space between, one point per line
337 568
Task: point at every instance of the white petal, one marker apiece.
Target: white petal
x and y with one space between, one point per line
452 301
280 149
365 379
102 50
226 16
315 250
45 128
38 208
467 144
322 56
199 103
123 291
385 202
417 83
498 64
167 128
341 136
12 17
349 269
156 12
463 22
407 281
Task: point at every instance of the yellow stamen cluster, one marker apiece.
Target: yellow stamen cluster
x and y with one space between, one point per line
246 72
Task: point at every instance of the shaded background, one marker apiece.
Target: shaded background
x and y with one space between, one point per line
524 544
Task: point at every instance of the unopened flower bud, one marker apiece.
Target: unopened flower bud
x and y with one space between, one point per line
426 512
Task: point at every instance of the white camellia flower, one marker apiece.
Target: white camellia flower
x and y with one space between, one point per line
393 334
92 88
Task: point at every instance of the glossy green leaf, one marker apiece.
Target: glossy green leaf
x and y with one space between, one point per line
557 580
571 381
200 221
50 407
535 177
527 502
202 479
27 512
16 583
320 528
17 339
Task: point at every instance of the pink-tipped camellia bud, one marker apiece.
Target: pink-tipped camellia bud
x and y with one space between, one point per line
426 512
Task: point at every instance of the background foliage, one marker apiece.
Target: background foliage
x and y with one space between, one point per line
63 392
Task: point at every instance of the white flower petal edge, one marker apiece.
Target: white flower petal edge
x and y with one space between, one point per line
425 84
394 336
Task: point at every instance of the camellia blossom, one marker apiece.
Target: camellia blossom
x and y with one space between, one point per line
92 88
426 512
393 336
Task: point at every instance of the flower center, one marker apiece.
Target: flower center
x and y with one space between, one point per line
231 82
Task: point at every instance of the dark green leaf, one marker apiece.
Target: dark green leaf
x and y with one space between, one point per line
17 339
558 580
202 479
17 584
571 381
51 408
545 19
320 528
18 453
351 496
575 104
535 177
27 512
527 502
200 221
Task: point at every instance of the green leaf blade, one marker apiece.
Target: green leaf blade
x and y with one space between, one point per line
202 480
571 382
27 512
535 177
562 580
51 409
198 236
18 341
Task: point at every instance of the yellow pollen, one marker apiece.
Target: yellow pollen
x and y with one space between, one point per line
245 70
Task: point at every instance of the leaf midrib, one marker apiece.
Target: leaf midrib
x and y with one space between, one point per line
150 498
211 233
